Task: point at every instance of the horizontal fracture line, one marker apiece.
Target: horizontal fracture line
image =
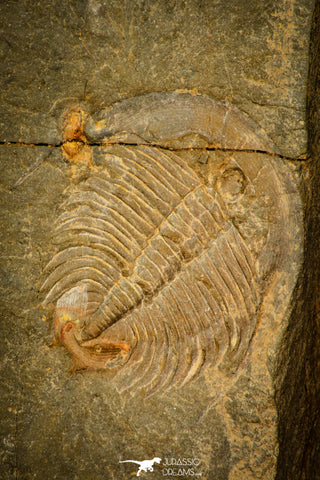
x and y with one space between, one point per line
300 158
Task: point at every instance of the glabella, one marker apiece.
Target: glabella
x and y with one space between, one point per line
181 461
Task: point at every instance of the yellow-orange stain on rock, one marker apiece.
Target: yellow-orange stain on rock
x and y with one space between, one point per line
74 125
75 148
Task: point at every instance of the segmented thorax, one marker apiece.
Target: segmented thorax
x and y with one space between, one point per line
161 261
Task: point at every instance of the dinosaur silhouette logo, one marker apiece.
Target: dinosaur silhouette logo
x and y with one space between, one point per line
145 465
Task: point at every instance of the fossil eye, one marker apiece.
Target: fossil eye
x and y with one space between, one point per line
231 184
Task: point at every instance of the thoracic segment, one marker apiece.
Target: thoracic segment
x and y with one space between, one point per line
165 271
182 236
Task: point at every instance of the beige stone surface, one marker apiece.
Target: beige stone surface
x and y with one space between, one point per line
71 73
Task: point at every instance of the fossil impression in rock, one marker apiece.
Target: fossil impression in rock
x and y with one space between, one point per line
160 271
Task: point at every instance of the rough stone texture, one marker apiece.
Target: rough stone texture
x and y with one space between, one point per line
297 378
57 423
54 55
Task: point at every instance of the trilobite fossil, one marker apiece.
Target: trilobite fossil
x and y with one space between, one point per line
160 271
